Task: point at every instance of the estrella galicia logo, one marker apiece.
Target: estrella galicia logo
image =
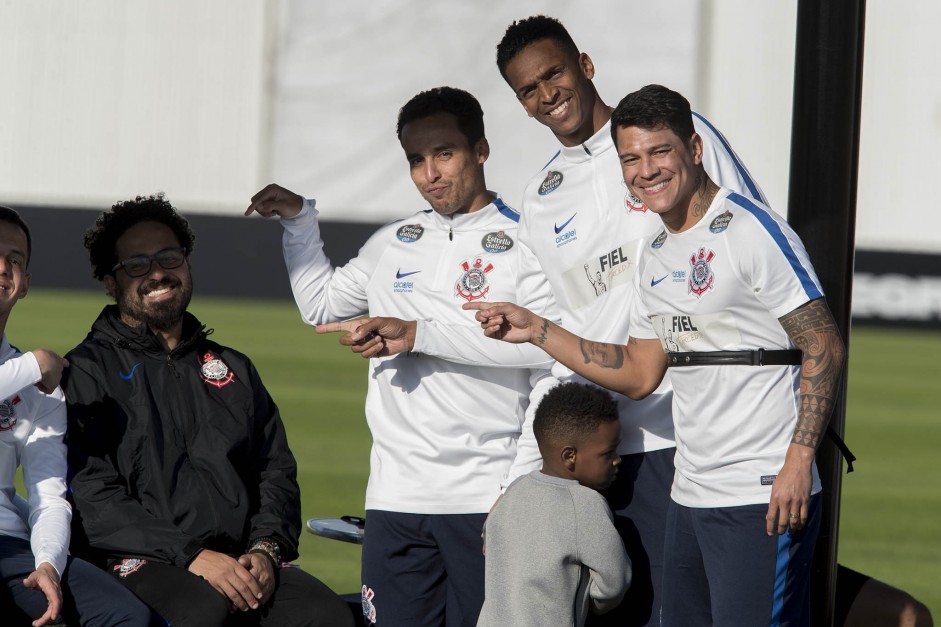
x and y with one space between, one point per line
550 183
721 222
401 275
662 237
410 233
497 242
8 413
127 376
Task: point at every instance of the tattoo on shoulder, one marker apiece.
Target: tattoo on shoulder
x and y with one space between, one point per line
604 355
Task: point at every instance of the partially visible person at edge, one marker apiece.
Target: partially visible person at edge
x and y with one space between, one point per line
725 296
183 483
42 583
444 433
580 233
553 554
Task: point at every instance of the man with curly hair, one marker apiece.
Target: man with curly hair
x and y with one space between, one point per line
183 483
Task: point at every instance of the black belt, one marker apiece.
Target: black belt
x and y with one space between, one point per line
760 357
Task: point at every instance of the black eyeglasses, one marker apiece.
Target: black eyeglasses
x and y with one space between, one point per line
139 265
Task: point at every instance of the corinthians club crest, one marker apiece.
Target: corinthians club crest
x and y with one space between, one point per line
473 282
214 371
633 203
8 413
701 278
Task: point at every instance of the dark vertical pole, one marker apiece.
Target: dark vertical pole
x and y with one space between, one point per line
822 209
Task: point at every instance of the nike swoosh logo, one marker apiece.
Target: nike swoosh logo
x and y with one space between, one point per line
654 282
559 229
401 275
127 377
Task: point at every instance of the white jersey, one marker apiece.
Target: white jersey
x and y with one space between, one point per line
32 425
586 231
444 433
722 285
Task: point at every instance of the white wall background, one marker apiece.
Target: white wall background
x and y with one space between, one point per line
208 101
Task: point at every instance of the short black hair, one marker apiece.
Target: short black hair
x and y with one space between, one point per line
12 216
654 107
457 102
101 240
523 33
572 411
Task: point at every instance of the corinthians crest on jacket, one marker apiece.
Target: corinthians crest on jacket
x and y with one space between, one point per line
701 277
214 371
8 413
472 284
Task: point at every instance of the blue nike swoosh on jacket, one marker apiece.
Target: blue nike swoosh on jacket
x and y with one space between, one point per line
558 229
127 377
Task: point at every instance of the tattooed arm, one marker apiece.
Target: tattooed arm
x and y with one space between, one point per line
812 328
634 370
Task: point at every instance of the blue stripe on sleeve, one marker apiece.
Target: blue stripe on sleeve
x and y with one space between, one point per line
506 211
749 183
774 230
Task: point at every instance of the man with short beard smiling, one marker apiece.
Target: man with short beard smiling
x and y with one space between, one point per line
183 483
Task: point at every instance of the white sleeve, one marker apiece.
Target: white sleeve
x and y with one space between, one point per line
528 457
322 293
469 346
44 469
639 325
722 164
775 265
18 373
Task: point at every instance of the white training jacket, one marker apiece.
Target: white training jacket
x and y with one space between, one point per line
583 234
444 433
32 427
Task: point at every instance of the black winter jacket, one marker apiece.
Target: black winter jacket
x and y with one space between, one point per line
170 453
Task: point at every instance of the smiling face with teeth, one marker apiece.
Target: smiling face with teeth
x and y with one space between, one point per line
160 297
662 170
555 88
14 279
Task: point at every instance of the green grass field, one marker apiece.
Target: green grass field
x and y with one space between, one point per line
891 506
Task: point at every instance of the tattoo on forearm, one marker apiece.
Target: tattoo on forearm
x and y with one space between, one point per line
543 332
604 355
814 331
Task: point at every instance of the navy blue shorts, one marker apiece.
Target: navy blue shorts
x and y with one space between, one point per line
89 595
722 568
422 570
639 499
